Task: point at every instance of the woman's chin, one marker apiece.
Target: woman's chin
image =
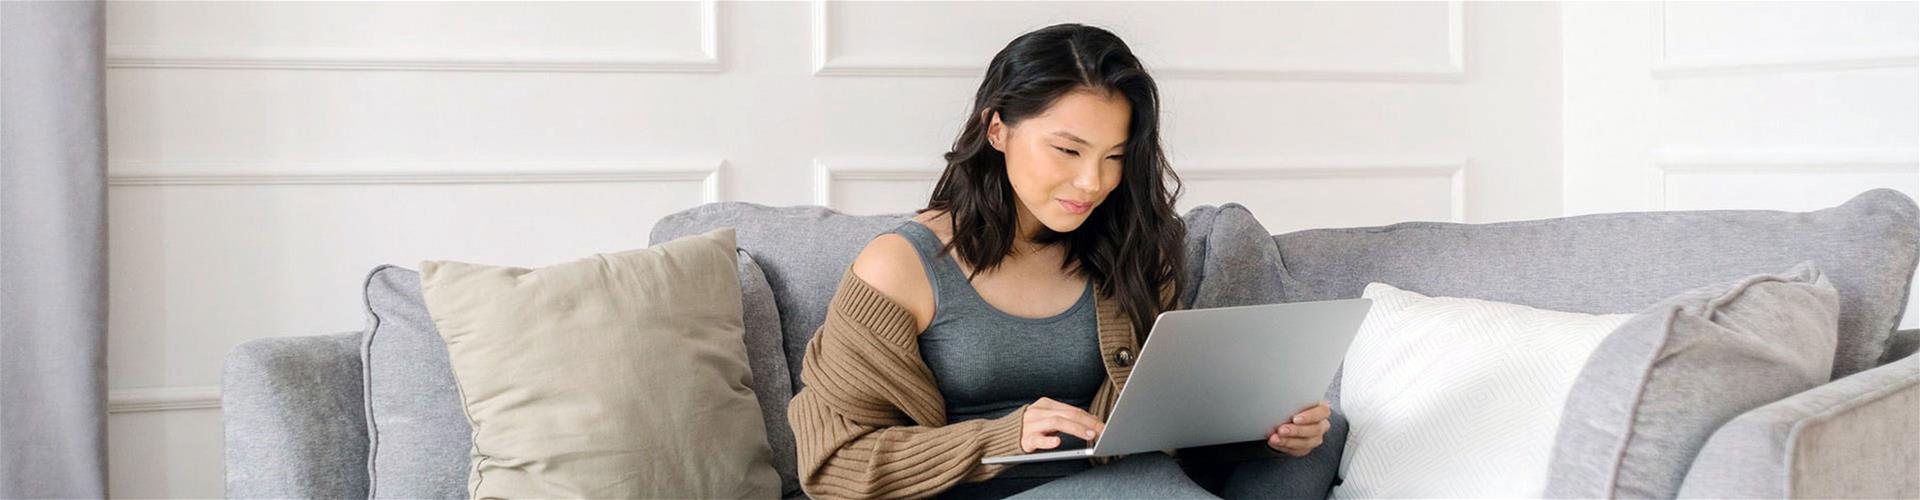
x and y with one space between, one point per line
1063 223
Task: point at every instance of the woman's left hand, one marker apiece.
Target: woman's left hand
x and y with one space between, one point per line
1301 434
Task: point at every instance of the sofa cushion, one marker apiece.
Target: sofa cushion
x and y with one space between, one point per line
418 436
1231 260
1625 262
1458 398
805 250
617 375
1657 388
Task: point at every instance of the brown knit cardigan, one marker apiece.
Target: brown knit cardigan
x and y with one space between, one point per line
870 423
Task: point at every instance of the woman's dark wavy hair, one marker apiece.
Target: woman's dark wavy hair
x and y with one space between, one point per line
1132 244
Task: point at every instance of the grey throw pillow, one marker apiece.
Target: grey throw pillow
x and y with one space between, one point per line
418 436
768 358
1658 387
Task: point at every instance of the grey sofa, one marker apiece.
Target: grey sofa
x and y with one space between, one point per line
306 416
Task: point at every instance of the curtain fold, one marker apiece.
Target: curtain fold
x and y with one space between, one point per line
53 277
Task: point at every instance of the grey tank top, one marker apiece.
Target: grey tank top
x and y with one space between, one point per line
987 362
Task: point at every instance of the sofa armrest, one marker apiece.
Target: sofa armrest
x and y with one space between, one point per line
1852 437
294 419
1903 344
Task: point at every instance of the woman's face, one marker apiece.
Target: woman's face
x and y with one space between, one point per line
1063 162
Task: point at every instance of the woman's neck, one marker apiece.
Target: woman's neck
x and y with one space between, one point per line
1026 231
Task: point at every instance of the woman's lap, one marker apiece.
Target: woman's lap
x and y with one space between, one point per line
1144 475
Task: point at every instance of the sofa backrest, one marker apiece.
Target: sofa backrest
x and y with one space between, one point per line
1624 262
802 250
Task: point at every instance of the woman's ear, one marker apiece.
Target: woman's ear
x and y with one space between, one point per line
996 131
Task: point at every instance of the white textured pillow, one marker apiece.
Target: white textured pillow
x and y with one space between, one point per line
1451 397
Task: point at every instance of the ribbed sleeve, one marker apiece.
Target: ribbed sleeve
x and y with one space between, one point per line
859 423
870 422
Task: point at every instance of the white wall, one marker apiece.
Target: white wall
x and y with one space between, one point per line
264 156
1789 106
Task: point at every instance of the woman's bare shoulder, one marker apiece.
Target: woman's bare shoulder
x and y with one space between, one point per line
892 267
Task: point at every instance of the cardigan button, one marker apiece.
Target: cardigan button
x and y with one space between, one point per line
1123 357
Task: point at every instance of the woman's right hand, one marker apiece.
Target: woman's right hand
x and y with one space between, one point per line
1045 418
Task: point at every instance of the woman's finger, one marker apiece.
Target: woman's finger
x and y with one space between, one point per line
1297 431
1049 424
1294 447
1081 416
1301 443
1282 445
1317 413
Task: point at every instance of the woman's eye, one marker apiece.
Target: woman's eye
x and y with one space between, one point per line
1115 157
1068 152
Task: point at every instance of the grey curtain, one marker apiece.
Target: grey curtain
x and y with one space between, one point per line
53 301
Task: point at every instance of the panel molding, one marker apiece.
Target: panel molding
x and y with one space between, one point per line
171 398
828 171
1756 161
319 58
827 63
1454 169
1669 68
233 173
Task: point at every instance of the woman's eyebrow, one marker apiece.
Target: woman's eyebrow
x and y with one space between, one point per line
1069 136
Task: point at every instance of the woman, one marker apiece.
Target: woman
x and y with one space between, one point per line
1004 317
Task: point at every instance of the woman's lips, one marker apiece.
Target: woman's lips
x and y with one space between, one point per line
1075 207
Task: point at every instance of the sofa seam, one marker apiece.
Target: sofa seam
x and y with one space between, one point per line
1639 395
1827 413
366 377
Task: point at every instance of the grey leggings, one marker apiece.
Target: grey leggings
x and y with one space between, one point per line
1144 475
1156 475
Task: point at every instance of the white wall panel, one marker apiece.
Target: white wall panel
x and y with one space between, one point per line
874 185
1852 109
1740 105
206 265
1779 179
1321 40
421 117
1291 195
1718 38
505 36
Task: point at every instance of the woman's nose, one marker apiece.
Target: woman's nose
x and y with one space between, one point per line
1087 177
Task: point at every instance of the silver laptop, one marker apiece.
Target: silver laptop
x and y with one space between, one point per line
1226 375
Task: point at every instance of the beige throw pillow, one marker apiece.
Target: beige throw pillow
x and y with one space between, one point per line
615 376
